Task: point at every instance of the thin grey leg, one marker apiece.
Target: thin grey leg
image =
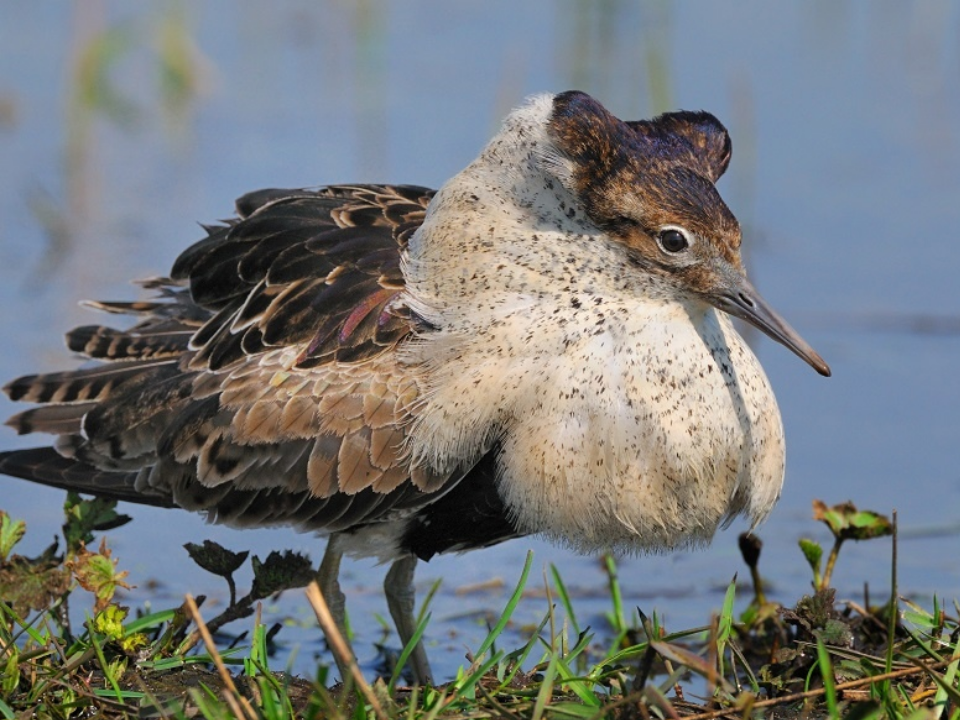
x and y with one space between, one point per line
398 587
328 578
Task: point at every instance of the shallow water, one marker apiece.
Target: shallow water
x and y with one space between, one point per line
846 177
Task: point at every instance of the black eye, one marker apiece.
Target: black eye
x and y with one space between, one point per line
672 240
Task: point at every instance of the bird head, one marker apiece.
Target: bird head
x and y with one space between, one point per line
650 186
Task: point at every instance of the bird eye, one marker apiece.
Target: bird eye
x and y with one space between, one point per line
672 241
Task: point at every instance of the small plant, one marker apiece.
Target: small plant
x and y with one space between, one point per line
817 659
845 523
278 572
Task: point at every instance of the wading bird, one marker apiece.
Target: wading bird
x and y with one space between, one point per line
543 346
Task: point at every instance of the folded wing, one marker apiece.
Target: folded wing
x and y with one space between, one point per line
260 385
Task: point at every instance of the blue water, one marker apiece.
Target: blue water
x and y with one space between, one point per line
846 177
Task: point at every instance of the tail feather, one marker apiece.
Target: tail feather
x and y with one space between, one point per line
106 343
54 419
45 466
94 383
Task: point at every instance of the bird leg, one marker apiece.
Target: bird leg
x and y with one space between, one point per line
398 587
328 578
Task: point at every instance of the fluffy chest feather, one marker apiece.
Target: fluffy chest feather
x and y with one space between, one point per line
631 425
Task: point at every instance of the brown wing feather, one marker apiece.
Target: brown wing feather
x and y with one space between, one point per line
261 385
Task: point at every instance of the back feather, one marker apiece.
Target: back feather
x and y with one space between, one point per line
260 384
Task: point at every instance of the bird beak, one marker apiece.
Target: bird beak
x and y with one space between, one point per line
747 304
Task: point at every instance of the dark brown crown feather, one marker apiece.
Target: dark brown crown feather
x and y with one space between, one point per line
696 139
650 172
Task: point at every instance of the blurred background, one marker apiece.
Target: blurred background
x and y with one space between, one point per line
123 125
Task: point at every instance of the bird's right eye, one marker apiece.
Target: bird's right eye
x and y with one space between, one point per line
672 240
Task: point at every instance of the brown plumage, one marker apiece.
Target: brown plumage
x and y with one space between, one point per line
207 373
536 348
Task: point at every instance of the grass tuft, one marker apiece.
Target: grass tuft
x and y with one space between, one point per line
818 658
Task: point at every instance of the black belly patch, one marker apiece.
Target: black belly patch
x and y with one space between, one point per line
472 515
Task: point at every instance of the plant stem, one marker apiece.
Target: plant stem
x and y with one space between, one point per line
831 561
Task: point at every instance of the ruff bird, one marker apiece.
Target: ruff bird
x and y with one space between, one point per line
542 346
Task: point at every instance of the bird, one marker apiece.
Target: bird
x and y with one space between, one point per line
543 346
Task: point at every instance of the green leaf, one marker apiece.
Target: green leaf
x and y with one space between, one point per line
11 531
812 552
131 642
835 632
848 523
97 573
84 517
109 622
10 677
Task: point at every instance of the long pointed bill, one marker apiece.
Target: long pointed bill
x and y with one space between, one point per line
747 304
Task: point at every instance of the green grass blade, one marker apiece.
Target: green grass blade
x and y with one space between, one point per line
26 627
754 683
119 695
617 618
725 624
518 657
423 620
149 621
465 688
826 672
104 665
572 710
258 652
564 599
949 677
422 623
508 610
581 687
546 689
622 656
427 599
6 711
